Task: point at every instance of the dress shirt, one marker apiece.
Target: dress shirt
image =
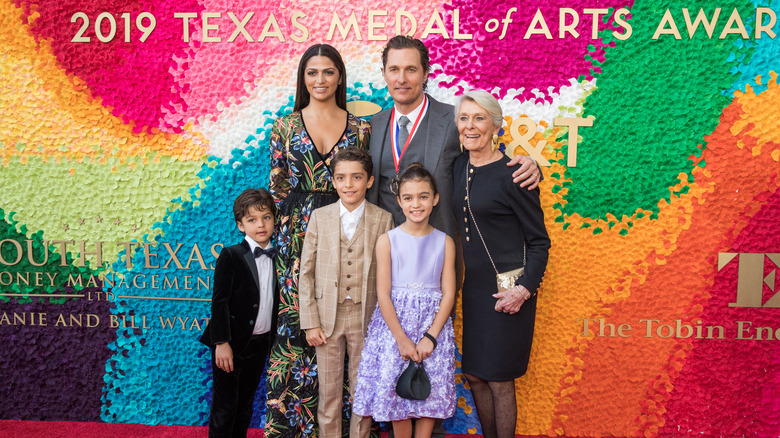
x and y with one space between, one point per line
265 273
350 219
412 116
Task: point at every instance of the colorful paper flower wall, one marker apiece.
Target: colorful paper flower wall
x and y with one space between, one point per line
151 142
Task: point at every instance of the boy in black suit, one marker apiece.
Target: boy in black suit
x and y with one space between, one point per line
243 315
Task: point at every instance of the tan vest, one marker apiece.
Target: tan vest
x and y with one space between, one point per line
351 276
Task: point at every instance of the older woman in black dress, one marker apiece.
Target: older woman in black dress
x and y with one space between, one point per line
502 229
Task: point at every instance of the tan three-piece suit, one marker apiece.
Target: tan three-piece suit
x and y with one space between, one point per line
337 293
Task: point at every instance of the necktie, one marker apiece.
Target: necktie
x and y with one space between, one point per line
270 252
403 133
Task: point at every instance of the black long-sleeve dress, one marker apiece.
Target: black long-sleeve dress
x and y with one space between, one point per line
496 345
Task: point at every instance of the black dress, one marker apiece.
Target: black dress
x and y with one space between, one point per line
496 345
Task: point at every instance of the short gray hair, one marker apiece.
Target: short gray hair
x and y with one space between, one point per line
487 101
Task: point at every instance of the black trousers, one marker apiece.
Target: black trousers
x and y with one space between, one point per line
234 393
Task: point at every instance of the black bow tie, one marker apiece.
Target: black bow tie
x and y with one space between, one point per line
270 252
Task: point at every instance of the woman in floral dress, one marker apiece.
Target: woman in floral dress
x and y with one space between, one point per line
302 145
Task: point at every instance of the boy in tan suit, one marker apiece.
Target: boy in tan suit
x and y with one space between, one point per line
337 284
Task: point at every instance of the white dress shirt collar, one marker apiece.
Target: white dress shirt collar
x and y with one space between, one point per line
350 219
412 116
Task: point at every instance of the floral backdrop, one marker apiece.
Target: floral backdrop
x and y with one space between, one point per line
128 127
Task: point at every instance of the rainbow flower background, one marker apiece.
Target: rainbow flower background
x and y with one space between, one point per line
150 142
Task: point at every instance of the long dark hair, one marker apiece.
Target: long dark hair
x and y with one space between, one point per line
302 94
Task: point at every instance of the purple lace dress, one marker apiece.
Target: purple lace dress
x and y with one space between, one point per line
416 292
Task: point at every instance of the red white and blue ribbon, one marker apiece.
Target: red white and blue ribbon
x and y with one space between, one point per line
398 151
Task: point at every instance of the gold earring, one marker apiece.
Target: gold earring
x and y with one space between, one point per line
494 147
461 148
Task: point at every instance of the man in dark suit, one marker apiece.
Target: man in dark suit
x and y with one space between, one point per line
419 129
243 315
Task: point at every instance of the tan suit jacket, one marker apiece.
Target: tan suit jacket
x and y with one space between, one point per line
320 265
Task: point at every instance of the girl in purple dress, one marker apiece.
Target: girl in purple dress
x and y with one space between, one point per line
415 273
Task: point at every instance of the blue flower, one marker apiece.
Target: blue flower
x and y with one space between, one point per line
301 143
293 412
307 429
304 371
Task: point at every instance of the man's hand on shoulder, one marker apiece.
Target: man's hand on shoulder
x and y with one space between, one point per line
529 173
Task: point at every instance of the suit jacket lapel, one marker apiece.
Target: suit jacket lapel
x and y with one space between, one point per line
249 258
369 240
434 136
380 124
334 234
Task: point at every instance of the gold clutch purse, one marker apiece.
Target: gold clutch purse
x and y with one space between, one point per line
506 280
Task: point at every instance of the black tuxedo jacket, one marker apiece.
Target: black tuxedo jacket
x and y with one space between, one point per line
236 299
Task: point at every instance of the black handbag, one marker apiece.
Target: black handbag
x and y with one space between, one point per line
413 383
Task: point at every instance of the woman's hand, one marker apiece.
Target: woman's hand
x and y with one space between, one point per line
424 348
510 300
407 349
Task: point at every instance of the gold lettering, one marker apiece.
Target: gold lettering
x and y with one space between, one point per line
7 280
20 279
207 27
400 14
148 255
114 321
573 124
142 285
31 251
188 282
619 20
701 18
762 28
729 30
5 320
19 254
61 320
622 329
75 281
172 252
594 32
456 27
267 32
662 30
183 321
63 250
296 24
741 329
351 24
373 25
523 140
195 256
52 278
195 324
129 245
83 251
538 20
435 25
170 285
92 281
167 322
